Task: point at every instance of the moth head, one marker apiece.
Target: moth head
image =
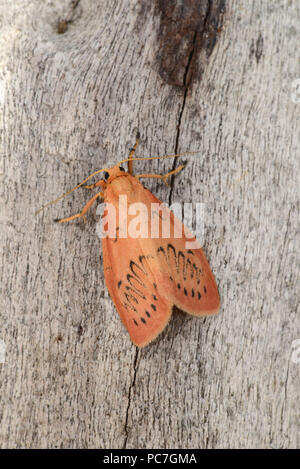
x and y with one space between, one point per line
114 173
117 178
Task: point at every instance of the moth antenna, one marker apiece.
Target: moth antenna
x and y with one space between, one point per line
158 157
71 190
107 169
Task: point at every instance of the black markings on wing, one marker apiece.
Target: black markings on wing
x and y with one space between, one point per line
183 268
181 264
135 285
116 238
138 269
137 291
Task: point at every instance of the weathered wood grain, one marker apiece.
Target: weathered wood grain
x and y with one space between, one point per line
76 82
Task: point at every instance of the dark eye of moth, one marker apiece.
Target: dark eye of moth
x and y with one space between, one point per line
121 168
106 175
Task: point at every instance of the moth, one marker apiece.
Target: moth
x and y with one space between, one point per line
147 276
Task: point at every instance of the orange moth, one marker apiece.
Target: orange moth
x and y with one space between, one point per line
147 276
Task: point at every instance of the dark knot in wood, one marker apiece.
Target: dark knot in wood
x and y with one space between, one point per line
187 27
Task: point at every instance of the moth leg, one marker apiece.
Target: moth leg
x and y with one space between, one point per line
132 152
93 186
84 210
163 177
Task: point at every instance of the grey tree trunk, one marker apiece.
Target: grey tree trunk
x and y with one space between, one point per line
77 80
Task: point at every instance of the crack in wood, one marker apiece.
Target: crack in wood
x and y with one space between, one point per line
178 55
181 113
135 368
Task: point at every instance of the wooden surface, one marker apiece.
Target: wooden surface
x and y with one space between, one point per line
71 103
